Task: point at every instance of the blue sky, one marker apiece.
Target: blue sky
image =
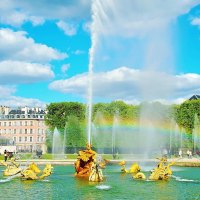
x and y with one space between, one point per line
141 50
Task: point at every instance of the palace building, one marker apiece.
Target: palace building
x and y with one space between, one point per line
24 128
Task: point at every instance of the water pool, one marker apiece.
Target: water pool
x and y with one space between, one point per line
185 184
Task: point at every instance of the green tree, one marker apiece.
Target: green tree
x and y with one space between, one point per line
58 113
186 112
75 132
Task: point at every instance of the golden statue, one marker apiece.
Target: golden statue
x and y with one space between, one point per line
162 171
87 165
29 173
32 171
12 167
96 174
47 171
134 170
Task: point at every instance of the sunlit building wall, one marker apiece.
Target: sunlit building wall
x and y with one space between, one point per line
24 127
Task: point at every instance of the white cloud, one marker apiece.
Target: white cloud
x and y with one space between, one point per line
36 20
138 17
13 18
87 26
79 52
7 98
16 72
132 85
17 18
14 101
69 29
65 68
39 11
196 21
6 91
17 46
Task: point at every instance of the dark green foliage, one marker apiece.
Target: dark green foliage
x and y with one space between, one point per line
49 139
185 114
108 110
72 115
75 133
58 113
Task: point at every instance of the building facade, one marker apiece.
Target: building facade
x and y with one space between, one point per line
24 127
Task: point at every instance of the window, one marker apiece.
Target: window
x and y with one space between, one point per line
25 139
25 131
21 123
10 124
31 139
31 123
26 123
20 131
4 123
31 131
20 139
15 131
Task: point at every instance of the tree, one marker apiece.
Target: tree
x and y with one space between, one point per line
58 113
75 136
186 112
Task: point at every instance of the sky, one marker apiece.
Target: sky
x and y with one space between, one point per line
140 50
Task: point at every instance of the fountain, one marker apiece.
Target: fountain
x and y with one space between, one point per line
196 135
98 133
109 23
115 129
87 166
58 145
176 138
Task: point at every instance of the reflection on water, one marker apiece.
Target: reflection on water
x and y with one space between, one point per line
184 184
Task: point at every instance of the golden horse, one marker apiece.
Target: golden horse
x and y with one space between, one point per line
32 171
12 167
162 171
134 170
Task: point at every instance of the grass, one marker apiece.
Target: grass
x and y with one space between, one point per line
48 156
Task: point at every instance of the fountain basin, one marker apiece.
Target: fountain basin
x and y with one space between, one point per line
63 185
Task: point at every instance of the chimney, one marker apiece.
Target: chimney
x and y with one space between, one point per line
6 110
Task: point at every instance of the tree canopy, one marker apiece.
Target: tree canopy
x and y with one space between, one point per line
70 117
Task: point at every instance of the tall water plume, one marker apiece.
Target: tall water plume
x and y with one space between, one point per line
136 34
101 139
91 65
58 145
115 129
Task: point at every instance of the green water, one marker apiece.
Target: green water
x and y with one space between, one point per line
63 185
